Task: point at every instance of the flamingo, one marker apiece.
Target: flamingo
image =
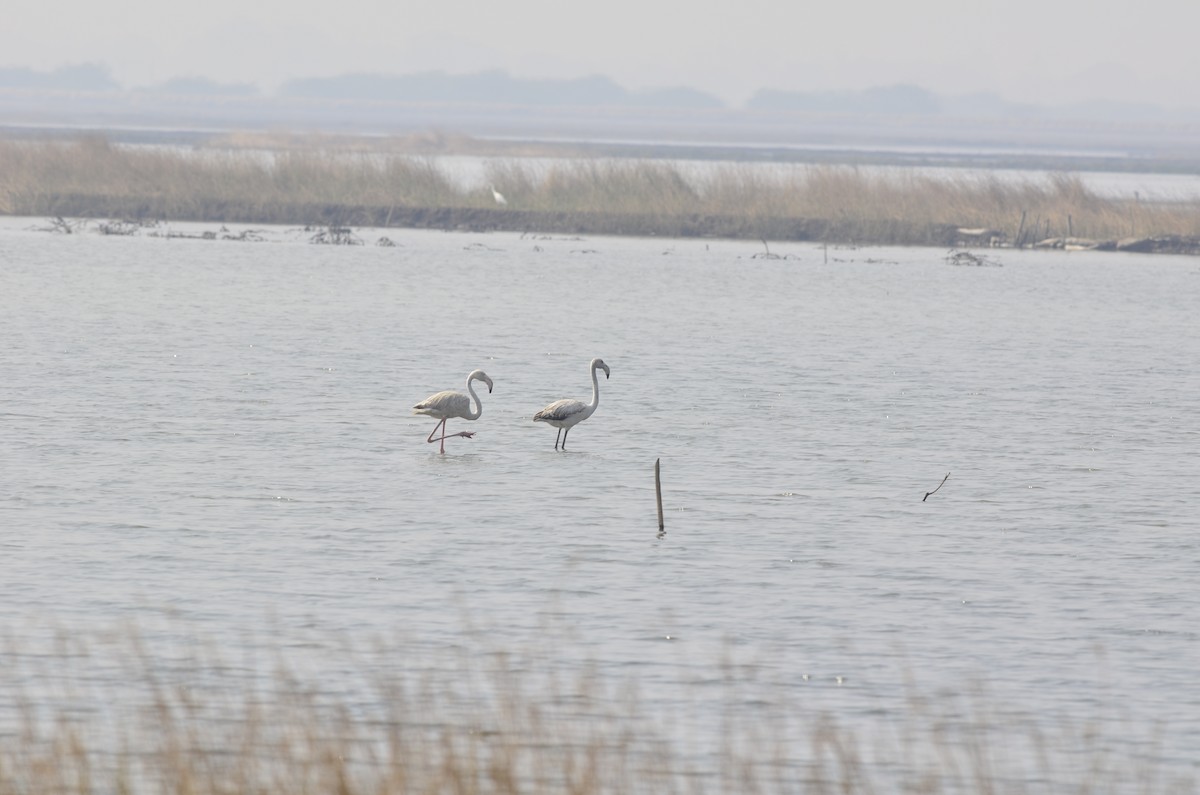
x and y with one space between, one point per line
566 414
497 195
444 405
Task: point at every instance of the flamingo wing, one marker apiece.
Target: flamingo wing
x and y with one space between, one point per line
560 411
444 404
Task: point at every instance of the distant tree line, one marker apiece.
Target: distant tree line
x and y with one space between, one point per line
888 99
493 87
80 77
497 87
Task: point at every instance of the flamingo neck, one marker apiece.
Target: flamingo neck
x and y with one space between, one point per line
595 391
478 403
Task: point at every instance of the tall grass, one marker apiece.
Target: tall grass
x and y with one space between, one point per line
93 178
116 714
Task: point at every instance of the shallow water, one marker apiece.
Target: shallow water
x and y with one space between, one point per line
219 433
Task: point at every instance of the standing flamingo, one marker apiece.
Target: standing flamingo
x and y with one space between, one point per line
566 414
445 405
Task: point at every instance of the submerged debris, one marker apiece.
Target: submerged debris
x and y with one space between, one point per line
961 257
61 226
246 235
336 236
122 228
768 254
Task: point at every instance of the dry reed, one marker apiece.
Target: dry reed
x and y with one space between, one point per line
345 186
118 714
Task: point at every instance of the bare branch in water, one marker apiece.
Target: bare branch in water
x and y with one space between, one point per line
768 254
929 493
336 236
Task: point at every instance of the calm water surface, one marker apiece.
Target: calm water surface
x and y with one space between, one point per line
219 433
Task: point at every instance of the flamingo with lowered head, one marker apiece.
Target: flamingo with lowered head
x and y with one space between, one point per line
444 405
566 414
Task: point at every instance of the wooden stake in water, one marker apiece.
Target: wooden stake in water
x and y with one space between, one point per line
658 492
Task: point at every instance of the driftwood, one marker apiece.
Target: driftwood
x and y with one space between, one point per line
62 226
766 254
929 494
960 257
336 236
120 228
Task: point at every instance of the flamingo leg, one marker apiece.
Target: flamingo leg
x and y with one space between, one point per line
556 438
441 425
463 434
445 436
565 432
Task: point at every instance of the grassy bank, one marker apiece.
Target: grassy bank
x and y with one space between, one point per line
304 186
120 715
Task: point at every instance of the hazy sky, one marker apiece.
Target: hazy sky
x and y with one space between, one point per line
1027 50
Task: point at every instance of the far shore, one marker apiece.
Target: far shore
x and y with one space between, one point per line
729 227
91 178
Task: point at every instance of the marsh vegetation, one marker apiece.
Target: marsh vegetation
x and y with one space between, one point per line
118 712
92 178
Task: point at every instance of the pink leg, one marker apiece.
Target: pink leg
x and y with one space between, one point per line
441 425
444 437
463 434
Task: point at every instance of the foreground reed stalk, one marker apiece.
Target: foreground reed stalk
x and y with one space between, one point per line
92 178
121 714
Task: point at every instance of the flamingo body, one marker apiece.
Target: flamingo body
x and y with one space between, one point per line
450 404
566 414
444 405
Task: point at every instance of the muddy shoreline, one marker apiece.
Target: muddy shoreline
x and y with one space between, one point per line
487 219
